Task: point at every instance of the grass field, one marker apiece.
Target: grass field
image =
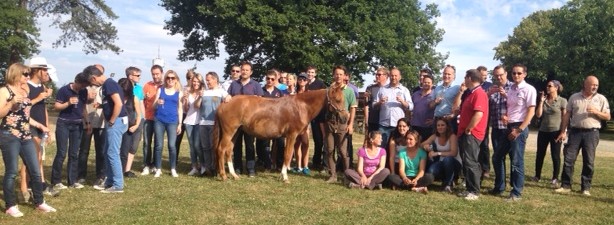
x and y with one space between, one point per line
309 200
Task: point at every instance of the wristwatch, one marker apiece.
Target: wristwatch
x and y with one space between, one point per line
438 153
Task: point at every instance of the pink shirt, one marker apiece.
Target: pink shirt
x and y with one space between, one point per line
370 165
519 98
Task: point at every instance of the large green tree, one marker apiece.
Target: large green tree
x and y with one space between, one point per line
86 21
289 35
566 44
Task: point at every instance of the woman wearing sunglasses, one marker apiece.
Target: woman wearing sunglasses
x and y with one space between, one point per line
169 114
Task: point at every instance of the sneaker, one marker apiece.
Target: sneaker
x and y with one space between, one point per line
306 171
51 191
562 190
495 192
59 186
554 183
332 179
99 187
145 171
173 173
471 197
112 190
77 186
586 193
129 174
203 170
193 172
158 172
513 198
447 189
353 185
45 208
81 181
535 179
252 173
99 182
295 170
14 212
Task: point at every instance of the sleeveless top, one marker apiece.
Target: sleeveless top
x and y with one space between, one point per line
38 109
446 148
17 122
192 115
167 112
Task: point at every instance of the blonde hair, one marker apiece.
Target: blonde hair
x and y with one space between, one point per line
177 86
15 72
200 80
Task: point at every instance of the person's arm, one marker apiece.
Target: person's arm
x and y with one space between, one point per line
402 174
6 106
564 124
421 169
42 96
453 147
138 112
426 144
61 106
86 119
392 152
38 125
475 119
540 107
117 108
179 113
408 103
361 171
525 123
458 98
155 101
351 121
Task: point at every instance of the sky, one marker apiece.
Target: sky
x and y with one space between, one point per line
472 29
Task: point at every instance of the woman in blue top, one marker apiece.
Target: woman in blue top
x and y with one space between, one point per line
169 113
412 164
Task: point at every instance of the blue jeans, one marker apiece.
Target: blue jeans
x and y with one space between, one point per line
515 149
445 169
114 170
209 155
86 140
171 132
12 147
196 152
68 137
386 131
148 133
587 139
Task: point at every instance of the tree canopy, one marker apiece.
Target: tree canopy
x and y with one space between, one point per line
290 35
566 44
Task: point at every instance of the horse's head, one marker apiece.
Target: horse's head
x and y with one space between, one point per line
335 98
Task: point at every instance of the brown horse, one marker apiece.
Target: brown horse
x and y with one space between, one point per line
268 118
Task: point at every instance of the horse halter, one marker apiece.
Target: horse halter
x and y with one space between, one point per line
332 105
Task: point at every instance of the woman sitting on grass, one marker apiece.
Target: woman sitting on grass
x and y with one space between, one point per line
449 163
397 142
412 163
371 169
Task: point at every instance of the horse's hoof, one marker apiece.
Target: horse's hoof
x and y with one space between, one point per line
236 177
286 181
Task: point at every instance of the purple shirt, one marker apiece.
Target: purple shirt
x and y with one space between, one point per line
370 165
422 111
519 98
251 88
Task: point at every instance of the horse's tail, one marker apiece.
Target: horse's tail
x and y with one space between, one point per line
217 127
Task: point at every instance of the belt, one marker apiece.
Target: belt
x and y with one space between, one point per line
513 125
584 129
69 120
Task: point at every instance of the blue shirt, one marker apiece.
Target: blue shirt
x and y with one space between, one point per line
251 88
211 100
167 112
448 94
72 112
110 87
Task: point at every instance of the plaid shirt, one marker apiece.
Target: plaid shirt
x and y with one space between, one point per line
498 106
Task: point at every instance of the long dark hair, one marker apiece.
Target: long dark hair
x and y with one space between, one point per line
395 135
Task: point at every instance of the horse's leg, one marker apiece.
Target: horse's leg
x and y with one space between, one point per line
231 143
288 150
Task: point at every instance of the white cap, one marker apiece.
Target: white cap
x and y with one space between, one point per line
38 62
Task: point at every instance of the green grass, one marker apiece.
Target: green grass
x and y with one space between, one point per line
309 200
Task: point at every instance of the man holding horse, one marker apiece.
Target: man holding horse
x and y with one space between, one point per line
245 86
339 122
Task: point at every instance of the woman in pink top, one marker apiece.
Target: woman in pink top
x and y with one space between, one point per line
371 169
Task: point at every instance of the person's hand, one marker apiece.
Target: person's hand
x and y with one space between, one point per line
160 101
49 91
493 89
368 181
88 128
562 136
178 129
350 130
132 129
406 181
514 133
591 110
504 119
432 154
227 98
463 88
543 96
429 122
91 94
364 181
413 182
44 129
73 100
96 105
502 92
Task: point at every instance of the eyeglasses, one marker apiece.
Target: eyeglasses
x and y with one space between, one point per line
235 71
136 75
270 78
549 85
516 73
499 75
171 78
380 74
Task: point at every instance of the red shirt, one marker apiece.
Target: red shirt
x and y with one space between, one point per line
150 89
477 100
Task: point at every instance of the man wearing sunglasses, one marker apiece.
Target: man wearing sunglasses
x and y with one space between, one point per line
235 73
520 110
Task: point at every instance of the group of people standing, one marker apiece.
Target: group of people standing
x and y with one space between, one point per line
446 137
448 134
